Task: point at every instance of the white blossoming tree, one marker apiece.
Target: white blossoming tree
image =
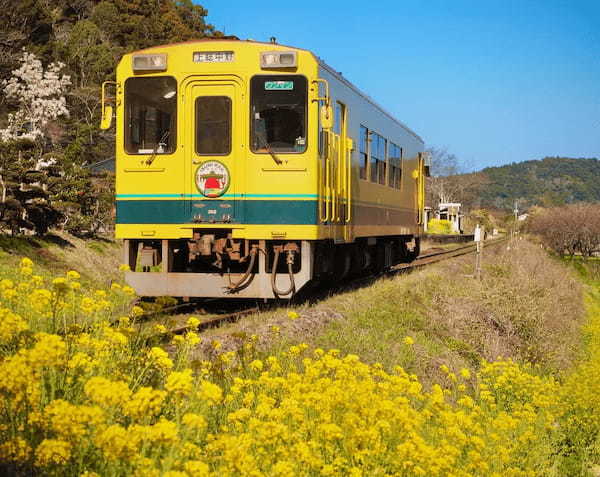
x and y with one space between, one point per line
39 96
28 171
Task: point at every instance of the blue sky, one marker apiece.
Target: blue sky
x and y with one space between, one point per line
492 81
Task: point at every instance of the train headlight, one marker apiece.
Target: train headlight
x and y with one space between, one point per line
278 59
150 62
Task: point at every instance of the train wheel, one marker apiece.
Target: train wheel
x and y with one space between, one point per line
343 261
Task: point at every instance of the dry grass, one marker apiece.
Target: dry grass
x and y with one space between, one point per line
527 306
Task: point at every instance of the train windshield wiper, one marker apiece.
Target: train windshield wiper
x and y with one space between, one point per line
159 145
261 135
273 155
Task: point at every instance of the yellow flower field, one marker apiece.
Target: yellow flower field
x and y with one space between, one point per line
83 392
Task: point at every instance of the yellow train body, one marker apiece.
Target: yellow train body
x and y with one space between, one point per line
230 154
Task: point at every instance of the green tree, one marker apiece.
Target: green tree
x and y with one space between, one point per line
89 37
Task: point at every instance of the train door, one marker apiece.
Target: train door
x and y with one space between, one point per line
214 143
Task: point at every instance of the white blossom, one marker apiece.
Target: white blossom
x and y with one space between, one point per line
42 163
39 95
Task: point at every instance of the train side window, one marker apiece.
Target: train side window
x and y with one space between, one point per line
382 163
363 151
377 162
213 125
395 158
150 115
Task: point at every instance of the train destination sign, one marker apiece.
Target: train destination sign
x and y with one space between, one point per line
279 85
213 56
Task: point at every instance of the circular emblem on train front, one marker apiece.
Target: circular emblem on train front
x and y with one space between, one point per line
212 179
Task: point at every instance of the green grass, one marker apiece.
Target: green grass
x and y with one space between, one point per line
588 269
96 260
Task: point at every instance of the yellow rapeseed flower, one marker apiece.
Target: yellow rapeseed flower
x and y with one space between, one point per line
197 468
11 325
292 315
180 383
137 311
71 422
49 350
15 450
26 271
145 403
193 322
60 284
107 393
116 443
256 365
210 391
194 421
160 358
52 451
73 275
192 339
26 262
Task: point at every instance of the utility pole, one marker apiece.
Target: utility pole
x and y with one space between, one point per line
479 238
516 212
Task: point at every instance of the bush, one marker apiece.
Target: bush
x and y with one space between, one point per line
568 230
439 226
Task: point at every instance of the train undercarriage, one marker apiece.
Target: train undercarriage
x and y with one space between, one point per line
213 264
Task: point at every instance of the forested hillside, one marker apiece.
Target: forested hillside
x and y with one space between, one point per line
547 182
53 58
550 181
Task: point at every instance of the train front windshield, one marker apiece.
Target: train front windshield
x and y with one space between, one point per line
150 115
278 113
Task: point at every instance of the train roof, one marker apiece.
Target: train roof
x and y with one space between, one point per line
366 97
319 60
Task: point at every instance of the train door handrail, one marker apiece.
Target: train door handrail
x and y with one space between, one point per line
349 149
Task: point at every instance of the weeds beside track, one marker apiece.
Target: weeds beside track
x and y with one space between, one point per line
215 319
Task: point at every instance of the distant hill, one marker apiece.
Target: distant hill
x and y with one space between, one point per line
546 182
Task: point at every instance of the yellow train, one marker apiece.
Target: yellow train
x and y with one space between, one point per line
248 170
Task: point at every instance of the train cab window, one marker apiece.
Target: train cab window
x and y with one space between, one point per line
213 125
395 159
150 115
278 113
363 152
377 162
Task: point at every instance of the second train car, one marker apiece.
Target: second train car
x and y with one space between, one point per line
248 170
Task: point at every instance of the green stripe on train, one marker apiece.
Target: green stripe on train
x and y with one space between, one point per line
291 212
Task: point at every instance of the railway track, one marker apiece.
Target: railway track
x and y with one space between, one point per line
216 319
438 256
